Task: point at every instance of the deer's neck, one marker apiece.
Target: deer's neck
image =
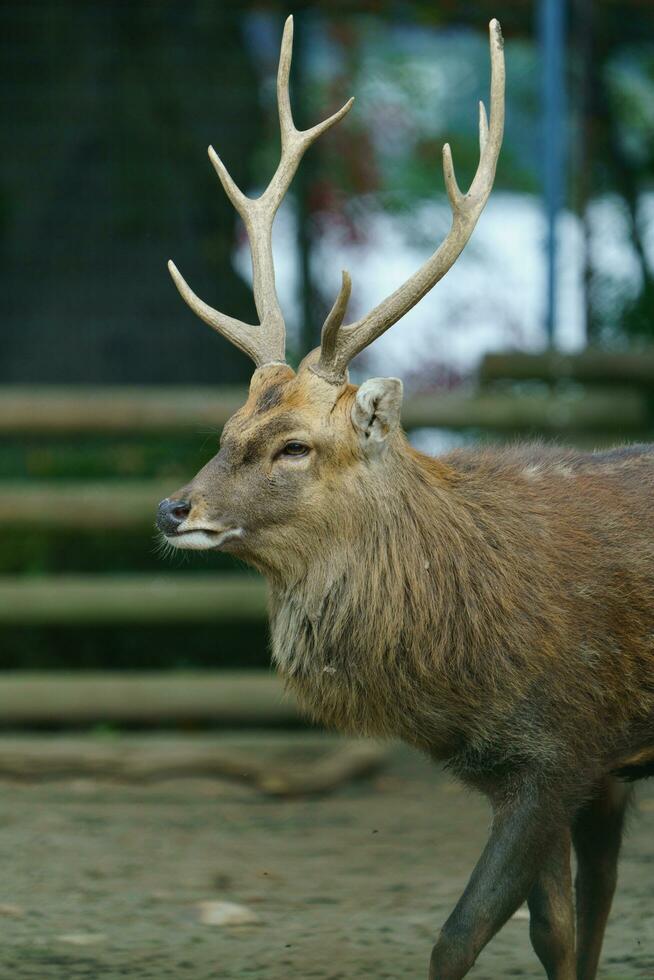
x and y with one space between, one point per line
363 634
428 619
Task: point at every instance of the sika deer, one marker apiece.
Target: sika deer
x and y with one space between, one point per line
494 608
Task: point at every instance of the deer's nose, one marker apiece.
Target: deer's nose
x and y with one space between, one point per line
171 514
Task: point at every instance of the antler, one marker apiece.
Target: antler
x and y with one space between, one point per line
265 342
340 343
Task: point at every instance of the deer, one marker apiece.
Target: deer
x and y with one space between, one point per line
492 607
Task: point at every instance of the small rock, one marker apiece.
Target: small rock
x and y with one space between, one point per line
161 895
12 911
226 914
82 938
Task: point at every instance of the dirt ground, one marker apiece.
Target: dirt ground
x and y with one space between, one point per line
102 881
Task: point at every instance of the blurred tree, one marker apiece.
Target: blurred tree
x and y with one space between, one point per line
613 76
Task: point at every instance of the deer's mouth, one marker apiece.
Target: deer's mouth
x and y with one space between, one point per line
205 539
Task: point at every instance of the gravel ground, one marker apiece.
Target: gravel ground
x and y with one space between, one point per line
104 881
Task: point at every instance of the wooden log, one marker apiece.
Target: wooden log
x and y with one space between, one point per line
55 409
180 410
600 367
357 758
225 697
82 506
144 759
578 411
155 599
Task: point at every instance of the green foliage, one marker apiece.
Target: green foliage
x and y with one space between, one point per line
106 458
239 646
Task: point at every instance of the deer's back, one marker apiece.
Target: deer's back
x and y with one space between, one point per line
581 527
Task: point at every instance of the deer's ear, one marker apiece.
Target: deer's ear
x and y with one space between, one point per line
376 412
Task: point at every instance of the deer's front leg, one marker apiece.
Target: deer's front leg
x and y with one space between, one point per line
551 913
597 835
522 836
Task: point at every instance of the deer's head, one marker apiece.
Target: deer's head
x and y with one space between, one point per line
301 438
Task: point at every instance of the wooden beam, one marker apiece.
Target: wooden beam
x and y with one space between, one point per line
78 411
577 411
145 599
599 367
56 410
225 697
110 506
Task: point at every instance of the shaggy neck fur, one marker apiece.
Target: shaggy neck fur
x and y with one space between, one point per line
402 630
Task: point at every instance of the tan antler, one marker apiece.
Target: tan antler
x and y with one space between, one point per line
340 343
265 342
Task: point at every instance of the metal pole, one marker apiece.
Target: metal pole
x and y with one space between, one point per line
551 17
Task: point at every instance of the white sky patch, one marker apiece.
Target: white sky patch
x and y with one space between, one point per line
435 442
492 299
610 250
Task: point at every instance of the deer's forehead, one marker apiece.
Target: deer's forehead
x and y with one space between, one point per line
303 395
245 426
277 396
277 408
245 441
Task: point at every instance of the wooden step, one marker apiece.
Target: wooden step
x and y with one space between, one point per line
596 367
194 411
56 409
117 505
138 599
226 697
606 411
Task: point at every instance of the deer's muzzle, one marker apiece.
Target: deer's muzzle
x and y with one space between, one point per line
171 514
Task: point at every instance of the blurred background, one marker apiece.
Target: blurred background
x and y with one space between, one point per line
141 779
112 394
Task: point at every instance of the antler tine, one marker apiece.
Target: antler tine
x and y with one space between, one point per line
243 335
483 127
346 341
332 325
295 142
266 342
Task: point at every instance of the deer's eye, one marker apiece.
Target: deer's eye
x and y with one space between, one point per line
295 449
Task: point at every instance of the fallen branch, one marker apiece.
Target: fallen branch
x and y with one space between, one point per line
40 760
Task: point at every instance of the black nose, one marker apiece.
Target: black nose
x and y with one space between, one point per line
171 513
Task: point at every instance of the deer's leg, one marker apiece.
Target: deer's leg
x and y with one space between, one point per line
522 836
597 836
551 913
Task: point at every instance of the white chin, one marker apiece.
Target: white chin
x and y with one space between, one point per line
201 541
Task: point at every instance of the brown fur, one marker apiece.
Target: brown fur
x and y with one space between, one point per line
490 606
489 616
494 608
